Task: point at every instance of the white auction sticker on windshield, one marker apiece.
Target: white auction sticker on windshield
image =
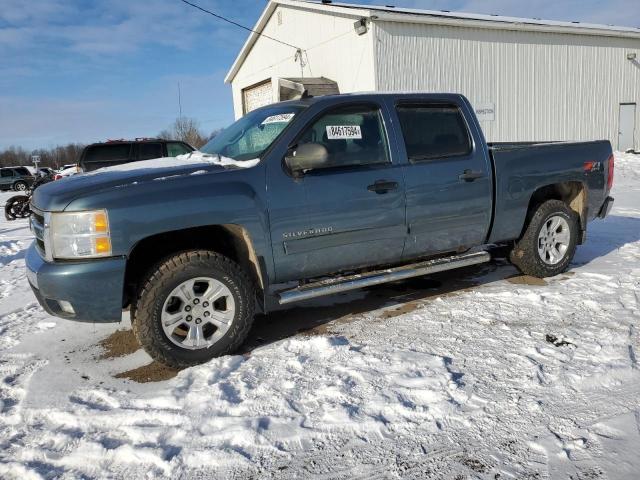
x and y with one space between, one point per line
282 118
343 132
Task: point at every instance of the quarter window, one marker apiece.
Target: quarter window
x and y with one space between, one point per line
433 131
352 135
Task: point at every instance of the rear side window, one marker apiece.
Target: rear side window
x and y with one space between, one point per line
147 151
108 153
174 149
433 131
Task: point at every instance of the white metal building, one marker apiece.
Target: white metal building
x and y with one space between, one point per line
528 79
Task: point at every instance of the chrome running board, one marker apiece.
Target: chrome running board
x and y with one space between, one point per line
352 282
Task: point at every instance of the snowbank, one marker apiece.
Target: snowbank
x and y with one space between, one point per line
485 376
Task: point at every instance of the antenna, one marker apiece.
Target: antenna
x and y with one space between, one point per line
179 101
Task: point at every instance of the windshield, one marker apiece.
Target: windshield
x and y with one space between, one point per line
250 136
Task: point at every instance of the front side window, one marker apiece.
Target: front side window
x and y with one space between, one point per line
6 173
352 136
433 131
176 148
253 134
147 151
22 171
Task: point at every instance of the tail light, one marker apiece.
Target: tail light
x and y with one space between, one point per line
611 164
57 176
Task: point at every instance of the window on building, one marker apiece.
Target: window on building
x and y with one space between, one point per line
352 135
433 131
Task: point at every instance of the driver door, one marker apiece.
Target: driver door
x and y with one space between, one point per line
346 213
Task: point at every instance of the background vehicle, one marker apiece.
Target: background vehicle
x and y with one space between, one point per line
117 152
46 172
15 178
66 172
18 205
332 193
67 166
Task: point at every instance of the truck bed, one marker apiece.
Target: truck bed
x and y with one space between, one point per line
522 168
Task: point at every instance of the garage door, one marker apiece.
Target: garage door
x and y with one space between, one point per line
257 96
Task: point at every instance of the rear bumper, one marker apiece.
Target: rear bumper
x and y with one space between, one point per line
606 207
93 289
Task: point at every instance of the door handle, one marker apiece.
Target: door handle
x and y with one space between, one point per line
469 175
382 186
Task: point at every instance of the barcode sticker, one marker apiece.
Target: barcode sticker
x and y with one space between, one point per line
343 132
282 118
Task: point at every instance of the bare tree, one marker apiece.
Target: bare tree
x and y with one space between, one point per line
53 157
185 129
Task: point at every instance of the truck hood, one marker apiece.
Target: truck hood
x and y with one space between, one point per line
55 196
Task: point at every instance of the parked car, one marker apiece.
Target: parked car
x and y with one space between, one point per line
67 172
302 199
67 166
46 172
117 152
15 178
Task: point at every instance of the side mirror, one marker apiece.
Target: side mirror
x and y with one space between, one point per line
307 156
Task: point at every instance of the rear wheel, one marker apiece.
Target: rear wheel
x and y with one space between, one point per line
194 306
549 242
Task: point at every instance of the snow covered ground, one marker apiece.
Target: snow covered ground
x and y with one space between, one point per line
480 374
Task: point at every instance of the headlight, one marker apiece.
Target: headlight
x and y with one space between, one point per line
80 234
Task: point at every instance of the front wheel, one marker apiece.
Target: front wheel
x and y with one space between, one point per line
549 242
20 186
194 306
17 207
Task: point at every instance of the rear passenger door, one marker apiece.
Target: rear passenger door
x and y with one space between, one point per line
448 179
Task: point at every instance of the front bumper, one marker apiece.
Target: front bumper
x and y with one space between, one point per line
606 207
93 288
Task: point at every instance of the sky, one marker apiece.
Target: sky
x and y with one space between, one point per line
83 71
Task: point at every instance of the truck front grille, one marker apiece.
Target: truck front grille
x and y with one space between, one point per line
37 227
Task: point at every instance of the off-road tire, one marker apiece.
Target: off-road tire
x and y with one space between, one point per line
525 253
168 274
20 186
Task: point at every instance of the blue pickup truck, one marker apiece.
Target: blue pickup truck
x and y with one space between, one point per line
301 199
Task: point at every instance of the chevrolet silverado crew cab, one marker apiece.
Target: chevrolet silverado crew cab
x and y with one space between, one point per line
301 199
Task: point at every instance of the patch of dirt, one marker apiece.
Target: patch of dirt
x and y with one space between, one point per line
401 310
153 372
475 465
527 280
119 344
